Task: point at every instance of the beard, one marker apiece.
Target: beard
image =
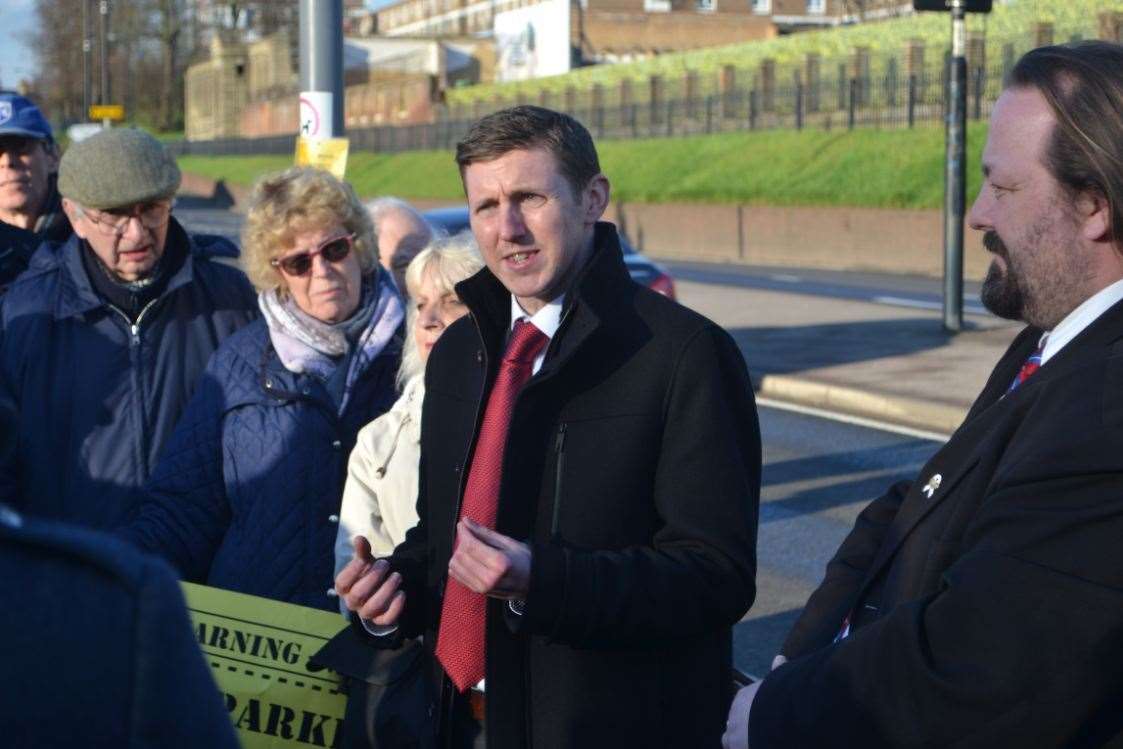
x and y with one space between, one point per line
1001 292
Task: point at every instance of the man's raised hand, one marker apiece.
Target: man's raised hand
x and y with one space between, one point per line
368 587
490 563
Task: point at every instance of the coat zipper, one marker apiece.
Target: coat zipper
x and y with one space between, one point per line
138 381
559 469
381 470
134 327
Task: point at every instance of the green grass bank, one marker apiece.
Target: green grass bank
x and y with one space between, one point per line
861 168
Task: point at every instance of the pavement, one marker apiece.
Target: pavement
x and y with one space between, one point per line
876 362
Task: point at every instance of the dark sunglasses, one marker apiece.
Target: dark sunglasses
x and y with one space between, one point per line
299 264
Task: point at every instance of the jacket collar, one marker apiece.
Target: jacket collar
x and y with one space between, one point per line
76 293
592 299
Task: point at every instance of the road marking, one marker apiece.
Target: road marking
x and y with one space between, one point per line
860 421
785 277
898 301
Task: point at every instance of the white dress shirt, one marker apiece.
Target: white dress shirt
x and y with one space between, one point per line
546 319
1079 319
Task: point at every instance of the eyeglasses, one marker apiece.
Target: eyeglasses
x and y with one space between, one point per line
300 263
116 222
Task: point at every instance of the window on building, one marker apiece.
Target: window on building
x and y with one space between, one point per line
704 4
762 7
657 6
817 6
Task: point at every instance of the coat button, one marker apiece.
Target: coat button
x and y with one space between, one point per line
330 593
336 444
268 384
306 390
333 518
479 357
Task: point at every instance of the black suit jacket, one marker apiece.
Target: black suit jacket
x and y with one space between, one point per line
986 598
632 467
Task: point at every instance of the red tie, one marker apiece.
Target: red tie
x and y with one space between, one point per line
1031 365
461 646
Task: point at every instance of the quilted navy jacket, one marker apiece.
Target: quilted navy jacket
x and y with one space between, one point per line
246 495
98 397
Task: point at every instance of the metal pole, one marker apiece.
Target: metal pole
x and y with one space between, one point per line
321 64
87 61
103 9
955 185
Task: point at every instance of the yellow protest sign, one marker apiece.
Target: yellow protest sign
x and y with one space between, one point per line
326 153
258 651
115 112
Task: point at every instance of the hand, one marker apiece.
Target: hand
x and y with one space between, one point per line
737 727
490 563
368 587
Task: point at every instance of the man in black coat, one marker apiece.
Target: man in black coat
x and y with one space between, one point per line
624 542
982 604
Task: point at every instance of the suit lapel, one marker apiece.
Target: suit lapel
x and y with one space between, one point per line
961 453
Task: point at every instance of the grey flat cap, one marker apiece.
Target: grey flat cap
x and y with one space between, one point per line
117 167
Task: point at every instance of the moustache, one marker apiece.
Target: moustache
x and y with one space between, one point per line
993 244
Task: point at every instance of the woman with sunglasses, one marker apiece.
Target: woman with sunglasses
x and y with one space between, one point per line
246 496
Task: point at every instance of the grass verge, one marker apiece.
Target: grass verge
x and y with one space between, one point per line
868 168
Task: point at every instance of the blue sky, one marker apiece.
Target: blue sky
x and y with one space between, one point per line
17 18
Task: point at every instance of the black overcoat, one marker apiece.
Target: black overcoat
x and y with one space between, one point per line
986 597
632 467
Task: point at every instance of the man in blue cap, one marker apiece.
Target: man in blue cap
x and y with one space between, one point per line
30 206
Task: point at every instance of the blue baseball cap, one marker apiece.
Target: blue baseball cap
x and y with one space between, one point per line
19 116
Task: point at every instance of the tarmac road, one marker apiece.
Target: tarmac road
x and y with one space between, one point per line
913 292
818 475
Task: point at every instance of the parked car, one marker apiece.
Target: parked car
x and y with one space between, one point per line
642 269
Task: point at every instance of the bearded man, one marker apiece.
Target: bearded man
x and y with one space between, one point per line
981 605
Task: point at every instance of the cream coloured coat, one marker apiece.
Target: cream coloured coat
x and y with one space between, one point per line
380 496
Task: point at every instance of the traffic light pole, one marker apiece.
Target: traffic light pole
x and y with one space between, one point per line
955 178
321 68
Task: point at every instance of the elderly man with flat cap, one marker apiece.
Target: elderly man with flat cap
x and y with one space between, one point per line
103 339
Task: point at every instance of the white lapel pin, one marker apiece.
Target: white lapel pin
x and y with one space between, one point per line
932 485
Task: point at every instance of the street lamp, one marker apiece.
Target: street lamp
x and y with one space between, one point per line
955 175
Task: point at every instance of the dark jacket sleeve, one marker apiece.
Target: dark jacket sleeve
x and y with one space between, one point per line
829 605
176 702
699 572
10 493
1019 646
185 513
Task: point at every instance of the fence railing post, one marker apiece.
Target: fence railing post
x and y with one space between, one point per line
709 114
851 112
753 106
980 84
798 104
912 101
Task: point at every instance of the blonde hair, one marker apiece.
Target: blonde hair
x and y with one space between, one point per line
447 261
294 201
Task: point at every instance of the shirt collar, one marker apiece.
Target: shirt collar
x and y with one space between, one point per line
546 319
1079 319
